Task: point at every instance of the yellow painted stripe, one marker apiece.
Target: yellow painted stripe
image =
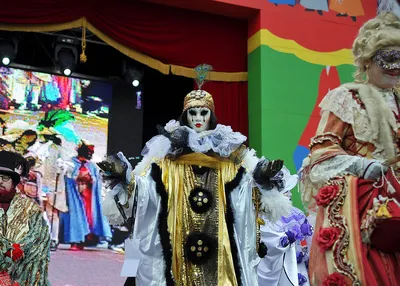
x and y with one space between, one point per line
266 38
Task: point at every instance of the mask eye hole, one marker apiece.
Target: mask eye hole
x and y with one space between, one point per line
204 112
192 112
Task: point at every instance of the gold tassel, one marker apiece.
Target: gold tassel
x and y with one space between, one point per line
260 221
383 212
83 57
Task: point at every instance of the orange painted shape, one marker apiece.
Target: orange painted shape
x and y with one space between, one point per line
323 33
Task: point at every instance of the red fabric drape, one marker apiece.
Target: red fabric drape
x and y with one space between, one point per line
230 99
171 35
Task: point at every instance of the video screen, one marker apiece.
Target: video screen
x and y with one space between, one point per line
26 97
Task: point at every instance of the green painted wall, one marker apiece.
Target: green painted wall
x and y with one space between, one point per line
282 93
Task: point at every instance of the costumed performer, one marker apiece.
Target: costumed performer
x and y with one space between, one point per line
84 223
199 192
31 185
55 130
24 234
288 241
353 170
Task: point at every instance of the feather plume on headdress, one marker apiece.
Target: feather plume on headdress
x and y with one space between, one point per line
199 98
201 74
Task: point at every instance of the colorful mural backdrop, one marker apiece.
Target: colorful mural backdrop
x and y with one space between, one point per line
298 51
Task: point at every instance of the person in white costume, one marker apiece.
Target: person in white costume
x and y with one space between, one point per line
199 193
288 242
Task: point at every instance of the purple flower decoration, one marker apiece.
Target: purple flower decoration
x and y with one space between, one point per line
284 241
297 231
306 228
294 216
302 279
299 256
291 236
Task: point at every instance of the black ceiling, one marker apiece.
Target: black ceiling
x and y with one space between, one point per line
37 50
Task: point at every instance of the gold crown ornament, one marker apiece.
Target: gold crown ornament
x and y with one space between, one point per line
199 97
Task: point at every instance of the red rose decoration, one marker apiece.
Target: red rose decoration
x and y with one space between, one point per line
16 253
327 237
326 195
335 279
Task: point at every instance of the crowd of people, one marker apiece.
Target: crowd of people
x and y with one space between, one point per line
202 209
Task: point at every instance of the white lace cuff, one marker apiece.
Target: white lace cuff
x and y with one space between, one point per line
337 166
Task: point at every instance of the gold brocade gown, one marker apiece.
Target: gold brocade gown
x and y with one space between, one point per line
198 222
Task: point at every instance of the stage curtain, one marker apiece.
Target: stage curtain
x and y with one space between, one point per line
162 37
230 99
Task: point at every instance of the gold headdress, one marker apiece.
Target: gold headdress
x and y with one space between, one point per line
199 98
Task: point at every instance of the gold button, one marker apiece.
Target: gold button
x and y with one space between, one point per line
193 248
205 200
205 248
195 199
201 194
200 242
199 254
199 204
199 248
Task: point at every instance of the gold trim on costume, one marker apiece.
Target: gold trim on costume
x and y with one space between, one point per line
179 180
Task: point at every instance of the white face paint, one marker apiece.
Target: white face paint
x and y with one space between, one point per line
199 118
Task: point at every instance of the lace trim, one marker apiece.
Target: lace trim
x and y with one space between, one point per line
347 108
334 167
327 136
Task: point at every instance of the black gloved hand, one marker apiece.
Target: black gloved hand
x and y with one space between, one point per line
178 138
265 171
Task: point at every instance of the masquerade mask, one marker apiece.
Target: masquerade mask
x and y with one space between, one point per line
387 59
199 118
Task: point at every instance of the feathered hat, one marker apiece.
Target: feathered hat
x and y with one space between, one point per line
199 97
57 122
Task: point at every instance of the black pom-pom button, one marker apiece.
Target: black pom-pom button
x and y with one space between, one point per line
199 247
200 200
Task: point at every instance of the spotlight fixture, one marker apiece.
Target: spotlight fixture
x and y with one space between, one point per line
8 49
6 61
66 55
131 74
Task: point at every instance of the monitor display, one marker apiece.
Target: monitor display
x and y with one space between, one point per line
26 97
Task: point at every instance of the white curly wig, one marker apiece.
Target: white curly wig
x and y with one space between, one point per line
378 33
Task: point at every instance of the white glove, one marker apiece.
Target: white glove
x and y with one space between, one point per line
371 169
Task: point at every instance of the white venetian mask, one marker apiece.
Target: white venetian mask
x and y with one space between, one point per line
199 118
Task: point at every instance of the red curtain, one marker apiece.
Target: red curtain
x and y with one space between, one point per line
230 99
171 35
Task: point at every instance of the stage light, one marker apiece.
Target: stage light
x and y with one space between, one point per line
66 56
6 61
8 49
135 83
67 72
131 74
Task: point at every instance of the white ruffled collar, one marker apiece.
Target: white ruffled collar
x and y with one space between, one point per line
222 140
